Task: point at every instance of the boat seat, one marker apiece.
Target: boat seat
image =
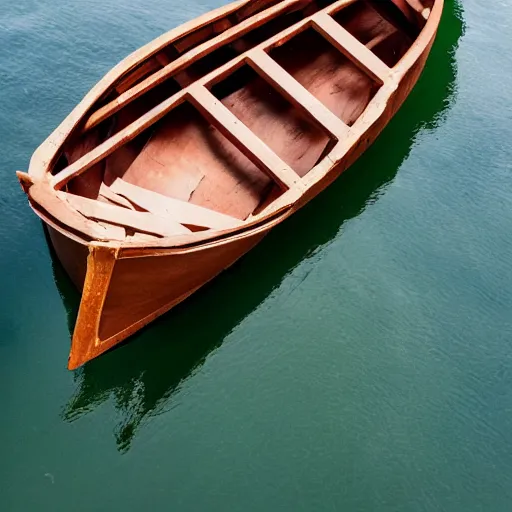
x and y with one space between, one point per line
146 222
180 211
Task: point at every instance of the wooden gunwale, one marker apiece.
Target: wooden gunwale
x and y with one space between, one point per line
286 202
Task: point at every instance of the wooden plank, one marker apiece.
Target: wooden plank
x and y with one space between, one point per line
345 42
298 95
149 66
179 211
140 221
106 193
242 137
184 61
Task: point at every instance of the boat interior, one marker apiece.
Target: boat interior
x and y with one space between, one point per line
212 128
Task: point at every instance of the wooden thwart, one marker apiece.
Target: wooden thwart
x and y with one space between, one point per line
242 137
139 221
345 42
298 95
178 211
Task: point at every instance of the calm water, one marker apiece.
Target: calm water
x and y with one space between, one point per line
359 359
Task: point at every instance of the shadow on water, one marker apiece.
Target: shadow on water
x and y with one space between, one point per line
142 375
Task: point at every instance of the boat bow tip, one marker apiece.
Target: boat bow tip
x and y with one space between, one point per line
25 180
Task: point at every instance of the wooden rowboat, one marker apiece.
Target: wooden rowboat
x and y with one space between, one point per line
191 149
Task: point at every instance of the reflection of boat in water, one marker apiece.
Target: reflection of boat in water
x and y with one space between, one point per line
143 375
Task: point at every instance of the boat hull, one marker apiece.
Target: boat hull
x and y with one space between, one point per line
122 291
126 284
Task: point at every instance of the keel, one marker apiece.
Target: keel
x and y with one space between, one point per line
86 343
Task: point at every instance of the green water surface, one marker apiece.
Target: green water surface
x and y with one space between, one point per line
359 359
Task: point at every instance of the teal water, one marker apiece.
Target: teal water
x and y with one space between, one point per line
359 359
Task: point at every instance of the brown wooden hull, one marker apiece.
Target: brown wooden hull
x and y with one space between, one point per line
127 285
123 294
